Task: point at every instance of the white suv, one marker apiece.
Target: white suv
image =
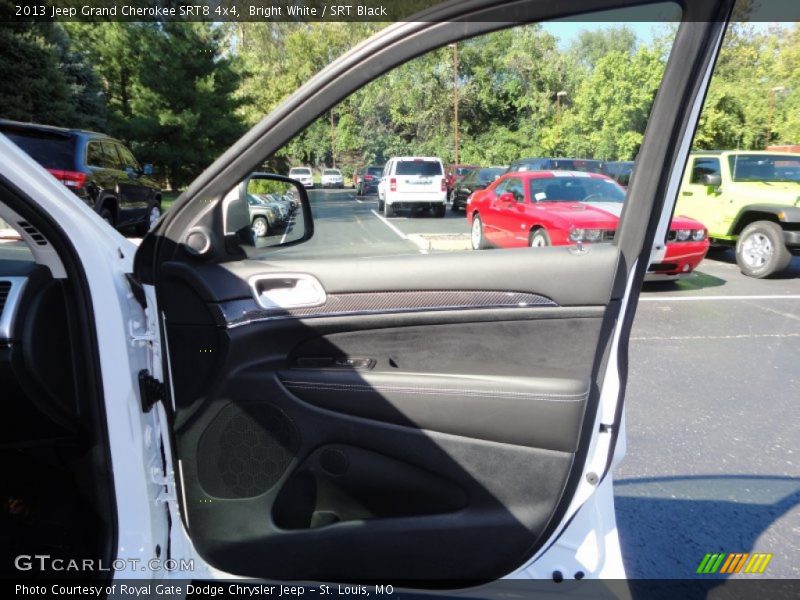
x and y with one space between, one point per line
332 178
303 175
413 182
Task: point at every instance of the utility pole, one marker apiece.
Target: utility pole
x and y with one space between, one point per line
455 102
333 142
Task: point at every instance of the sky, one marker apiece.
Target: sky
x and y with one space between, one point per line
646 23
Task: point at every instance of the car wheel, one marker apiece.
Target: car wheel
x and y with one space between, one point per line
439 211
153 215
107 216
760 250
388 210
476 236
539 239
455 207
260 227
380 205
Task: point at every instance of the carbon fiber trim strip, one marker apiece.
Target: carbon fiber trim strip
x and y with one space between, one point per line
241 312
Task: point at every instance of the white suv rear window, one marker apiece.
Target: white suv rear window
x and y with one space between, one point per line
418 167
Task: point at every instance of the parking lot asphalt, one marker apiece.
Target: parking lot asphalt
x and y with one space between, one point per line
713 402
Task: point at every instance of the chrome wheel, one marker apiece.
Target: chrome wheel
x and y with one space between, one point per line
153 216
476 234
539 240
260 227
757 250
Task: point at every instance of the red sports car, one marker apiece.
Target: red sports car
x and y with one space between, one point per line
557 208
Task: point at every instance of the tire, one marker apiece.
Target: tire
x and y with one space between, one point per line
107 216
380 205
454 207
388 210
260 227
439 211
761 251
539 238
153 214
476 237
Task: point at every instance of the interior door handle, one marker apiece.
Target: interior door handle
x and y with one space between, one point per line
276 291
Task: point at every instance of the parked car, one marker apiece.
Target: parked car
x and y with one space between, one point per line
415 182
455 173
302 174
545 208
367 180
747 199
100 170
557 164
475 180
619 171
264 215
332 178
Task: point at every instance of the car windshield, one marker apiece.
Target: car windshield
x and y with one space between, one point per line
254 200
375 171
419 167
489 175
764 167
575 189
300 171
464 170
50 151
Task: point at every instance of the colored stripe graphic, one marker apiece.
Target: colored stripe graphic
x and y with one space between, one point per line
733 562
710 563
758 563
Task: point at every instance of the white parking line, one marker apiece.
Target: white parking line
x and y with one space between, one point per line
386 222
716 298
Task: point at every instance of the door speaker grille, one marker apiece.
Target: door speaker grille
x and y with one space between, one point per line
245 450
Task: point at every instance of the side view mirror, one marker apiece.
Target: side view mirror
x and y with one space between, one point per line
267 210
147 169
507 198
712 180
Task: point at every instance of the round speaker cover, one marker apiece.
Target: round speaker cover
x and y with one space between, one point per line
245 450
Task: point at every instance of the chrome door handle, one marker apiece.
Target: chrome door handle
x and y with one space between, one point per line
277 291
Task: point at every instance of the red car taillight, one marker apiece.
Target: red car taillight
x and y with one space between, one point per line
72 179
368 177
393 185
444 185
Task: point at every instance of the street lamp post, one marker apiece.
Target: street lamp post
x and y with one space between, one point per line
559 95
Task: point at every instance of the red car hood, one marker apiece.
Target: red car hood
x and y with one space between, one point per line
584 215
681 222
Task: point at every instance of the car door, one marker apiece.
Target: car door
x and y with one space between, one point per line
698 200
103 179
510 215
431 417
137 191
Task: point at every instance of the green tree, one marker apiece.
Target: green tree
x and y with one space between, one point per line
33 87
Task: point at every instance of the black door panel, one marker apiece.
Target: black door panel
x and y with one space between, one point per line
388 442
543 413
540 273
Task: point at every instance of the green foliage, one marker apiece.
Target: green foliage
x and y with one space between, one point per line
180 93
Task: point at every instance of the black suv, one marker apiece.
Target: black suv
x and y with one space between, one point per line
368 178
99 169
557 164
